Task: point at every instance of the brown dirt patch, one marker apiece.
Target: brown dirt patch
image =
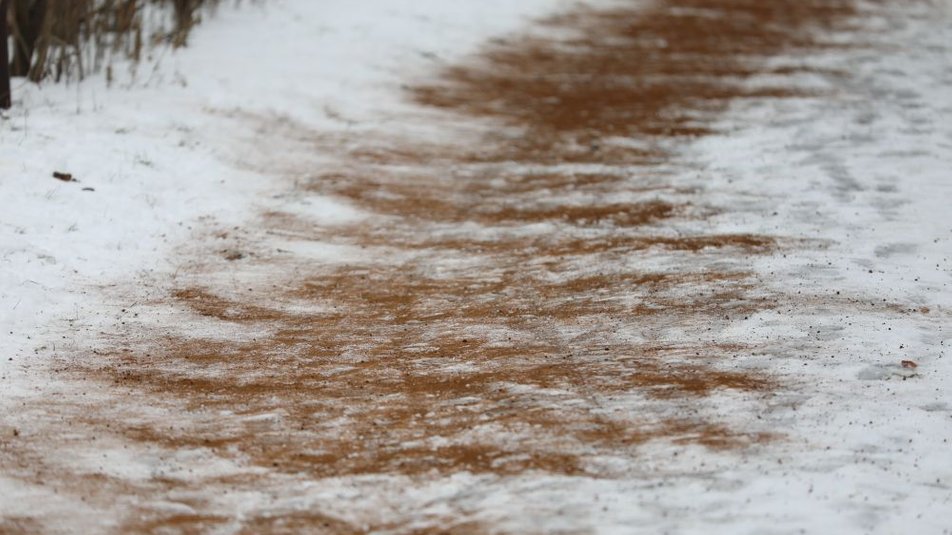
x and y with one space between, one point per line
382 361
408 350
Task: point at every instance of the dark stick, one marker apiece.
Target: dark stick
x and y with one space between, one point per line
5 92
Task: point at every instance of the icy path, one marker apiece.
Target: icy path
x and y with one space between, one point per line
614 273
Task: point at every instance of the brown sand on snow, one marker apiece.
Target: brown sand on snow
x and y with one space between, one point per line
502 321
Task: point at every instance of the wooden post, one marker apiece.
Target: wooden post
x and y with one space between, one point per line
5 91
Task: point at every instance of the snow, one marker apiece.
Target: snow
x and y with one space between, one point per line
864 175
158 146
868 174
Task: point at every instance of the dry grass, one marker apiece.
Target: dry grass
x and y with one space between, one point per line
64 39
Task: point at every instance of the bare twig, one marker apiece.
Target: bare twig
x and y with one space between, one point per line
6 97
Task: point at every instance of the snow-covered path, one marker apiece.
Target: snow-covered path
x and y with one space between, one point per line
637 267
